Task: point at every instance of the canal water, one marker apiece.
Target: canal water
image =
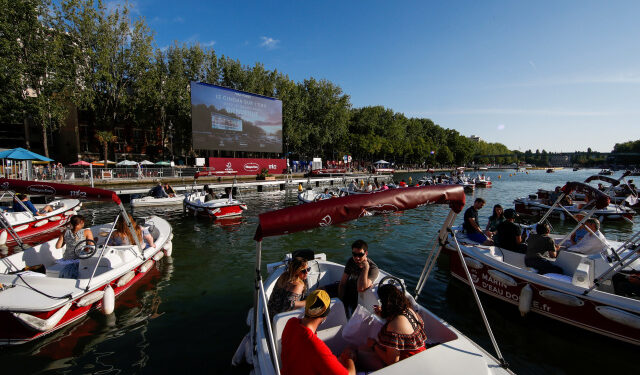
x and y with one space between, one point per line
189 314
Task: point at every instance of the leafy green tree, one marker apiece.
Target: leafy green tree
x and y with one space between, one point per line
105 138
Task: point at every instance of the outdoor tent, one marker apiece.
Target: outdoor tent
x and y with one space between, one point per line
125 163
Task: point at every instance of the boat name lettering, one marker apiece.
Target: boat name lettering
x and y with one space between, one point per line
493 281
544 306
379 209
326 221
41 189
500 291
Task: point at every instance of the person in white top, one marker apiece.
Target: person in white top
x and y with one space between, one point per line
591 243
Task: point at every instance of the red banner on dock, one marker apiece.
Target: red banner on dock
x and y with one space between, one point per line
247 166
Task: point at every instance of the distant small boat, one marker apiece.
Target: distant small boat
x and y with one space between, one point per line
550 170
576 169
606 172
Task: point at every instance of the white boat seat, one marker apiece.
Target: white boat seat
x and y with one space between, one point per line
569 261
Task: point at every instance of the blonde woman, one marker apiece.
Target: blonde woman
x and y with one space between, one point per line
290 289
122 235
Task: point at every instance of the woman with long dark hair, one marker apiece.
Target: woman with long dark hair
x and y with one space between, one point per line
290 289
402 335
497 217
74 233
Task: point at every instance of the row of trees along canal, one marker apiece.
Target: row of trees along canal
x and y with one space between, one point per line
105 64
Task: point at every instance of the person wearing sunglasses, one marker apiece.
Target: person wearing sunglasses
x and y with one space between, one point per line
290 289
359 274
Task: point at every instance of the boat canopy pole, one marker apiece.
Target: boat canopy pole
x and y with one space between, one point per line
621 263
556 203
475 295
9 228
274 354
102 251
580 223
256 295
438 242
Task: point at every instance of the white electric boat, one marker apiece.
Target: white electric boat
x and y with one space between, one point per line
34 304
449 351
150 201
194 203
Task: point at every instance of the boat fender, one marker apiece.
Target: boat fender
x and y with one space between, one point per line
3 237
171 237
77 208
21 228
502 277
158 256
240 356
524 302
619 316
562 298
299 187
68 213
168 248
39 324
243 206
475 264
90 299
146 265
40 223
108 300
124 279
55 218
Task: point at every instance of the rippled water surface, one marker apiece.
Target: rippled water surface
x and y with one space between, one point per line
189 314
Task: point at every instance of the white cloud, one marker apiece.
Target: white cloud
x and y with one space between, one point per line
269 43
208 44
623 78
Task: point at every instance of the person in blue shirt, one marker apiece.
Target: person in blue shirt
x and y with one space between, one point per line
17 207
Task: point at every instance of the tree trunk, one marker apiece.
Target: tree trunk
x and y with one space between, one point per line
44 141
106 150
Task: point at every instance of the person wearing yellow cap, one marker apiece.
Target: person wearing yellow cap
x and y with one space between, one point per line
303 352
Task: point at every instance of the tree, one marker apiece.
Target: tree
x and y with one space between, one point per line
105 137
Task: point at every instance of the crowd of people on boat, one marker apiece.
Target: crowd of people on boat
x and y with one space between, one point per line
402 335
502 231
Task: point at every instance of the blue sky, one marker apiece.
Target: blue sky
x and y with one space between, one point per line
554 75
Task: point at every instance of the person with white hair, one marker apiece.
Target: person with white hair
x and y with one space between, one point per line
592 243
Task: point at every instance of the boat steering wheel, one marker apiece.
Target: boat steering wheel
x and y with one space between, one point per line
392 280
85 249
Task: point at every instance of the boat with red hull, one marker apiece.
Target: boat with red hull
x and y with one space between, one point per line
591 293
35 304
32 228
195 204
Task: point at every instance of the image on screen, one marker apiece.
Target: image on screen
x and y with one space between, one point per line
226 119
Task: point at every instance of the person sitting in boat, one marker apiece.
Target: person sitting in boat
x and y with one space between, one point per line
227 193
384 186
169 190
508 234
402 336
359 274
303 352
122 235
74 234
471 226
540 246
20 201
352 186
403 184
158 191
496 218
325 195
369 187
290 288
592 243
580 232
209 196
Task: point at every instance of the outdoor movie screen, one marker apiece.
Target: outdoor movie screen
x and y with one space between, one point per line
227 119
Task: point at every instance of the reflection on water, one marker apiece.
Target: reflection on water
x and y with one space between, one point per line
190 314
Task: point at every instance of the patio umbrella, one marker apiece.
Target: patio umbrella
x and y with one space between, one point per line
163 163
381 162
82 163
126 163
22 154
146 162
101 163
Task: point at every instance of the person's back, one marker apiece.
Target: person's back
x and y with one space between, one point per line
304 353
209 196
158 192
507 232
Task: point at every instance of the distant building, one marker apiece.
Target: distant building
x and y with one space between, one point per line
559 160
474 138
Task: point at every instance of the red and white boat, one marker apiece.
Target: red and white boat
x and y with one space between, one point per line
194 202
16 227
328 171
449 351
34 304
482 181
584 295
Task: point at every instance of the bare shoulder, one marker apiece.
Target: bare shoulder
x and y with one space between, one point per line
400 324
